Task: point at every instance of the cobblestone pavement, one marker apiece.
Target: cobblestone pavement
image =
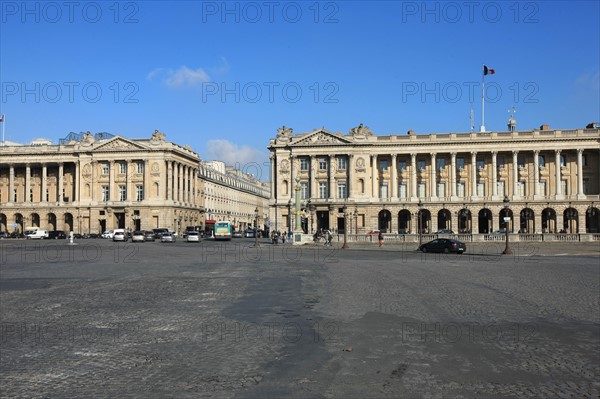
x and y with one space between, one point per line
225 320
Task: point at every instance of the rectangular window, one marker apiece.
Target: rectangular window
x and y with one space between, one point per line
500 162
421 190
105 193
480 163
139 192
15 195
481 189
402 190
402 165
460 189
140 167
304 190
563 160
304 164
342 163
383 165
441 189
421 164
105 168
383 190
501 192
521 161
584 159
460 163
342 189
541 161
122 193
322 164
122 167
521 188
441 163
586 186
322 190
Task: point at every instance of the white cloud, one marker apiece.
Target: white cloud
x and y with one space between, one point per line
186 77
245 158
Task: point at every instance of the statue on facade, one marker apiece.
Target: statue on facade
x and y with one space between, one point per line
284 134
88 138
361 131
157 137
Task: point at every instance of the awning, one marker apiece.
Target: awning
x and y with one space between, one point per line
210 221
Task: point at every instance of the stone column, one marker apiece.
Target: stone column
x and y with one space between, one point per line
44 182
313 178
175 181
394 182
273 177
473 174
515 174
11 184
27 183
169 180
111 180
453 176
190 185
76 181
413 177
127 183
536 173
580 193
331 176
558 189
60 182
433 179
374 170
147 179
494 175
184 186
349 185
290 187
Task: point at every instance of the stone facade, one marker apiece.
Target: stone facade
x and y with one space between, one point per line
231 194
92 183
551 179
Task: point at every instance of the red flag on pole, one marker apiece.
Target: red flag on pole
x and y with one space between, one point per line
487 70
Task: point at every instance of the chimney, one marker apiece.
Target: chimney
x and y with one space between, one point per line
545 127
411 132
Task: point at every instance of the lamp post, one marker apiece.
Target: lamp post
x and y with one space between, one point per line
256 245
420 222
345 209
289 204
311 208
506 202
356 221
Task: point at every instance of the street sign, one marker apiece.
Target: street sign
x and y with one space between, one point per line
14 225
507 219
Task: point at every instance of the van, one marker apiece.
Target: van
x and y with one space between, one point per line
36 234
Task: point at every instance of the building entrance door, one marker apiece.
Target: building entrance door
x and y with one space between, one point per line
323 220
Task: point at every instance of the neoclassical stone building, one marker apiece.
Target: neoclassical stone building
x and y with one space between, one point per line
551 178
91 183
230 194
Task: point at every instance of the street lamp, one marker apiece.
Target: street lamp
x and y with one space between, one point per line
290 214
356 221
311 209
420 222
256 245
345 209
506 202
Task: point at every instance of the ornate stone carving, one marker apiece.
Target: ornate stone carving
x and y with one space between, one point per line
323 138
360 132
88 139
157 137
155 167
360 164
284 134
117 144
284 167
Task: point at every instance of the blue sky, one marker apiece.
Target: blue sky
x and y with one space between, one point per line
223 76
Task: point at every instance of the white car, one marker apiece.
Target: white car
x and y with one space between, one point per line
36 234
193 236
138 236
108 234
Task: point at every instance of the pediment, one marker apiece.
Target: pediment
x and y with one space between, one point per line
321 136
119 144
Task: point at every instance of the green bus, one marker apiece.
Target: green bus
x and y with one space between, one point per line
223 230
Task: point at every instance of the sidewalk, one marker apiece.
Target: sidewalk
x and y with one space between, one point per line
491 248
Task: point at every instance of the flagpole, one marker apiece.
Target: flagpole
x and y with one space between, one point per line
482 129
3 123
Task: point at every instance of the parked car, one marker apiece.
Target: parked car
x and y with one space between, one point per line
444 231
36 234
250 233
138 236
149 236
57 235
237 234
3 234
108 234
119 236
159 232
445 245
193 236
167 237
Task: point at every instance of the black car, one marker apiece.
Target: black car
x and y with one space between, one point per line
57 235
149 236
445 245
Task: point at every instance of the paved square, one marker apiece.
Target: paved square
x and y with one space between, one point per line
226 320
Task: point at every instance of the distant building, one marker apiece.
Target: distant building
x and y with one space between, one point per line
231 194
92 183
550 177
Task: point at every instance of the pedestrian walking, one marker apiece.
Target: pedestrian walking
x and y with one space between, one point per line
380 237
